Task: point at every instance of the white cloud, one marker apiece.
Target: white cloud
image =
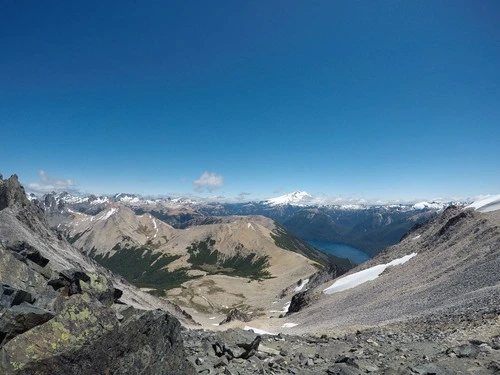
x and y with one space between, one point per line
46 184
208 181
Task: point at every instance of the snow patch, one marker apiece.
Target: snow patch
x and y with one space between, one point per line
302 285
286 307
108 214
289 325
486 204
258 331
156 228
363 276
417 237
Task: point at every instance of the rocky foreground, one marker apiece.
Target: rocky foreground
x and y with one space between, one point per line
436 345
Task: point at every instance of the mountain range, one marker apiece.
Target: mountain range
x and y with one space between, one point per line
370 228
428 304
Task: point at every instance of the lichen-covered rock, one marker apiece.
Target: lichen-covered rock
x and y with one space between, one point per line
59 310
148 343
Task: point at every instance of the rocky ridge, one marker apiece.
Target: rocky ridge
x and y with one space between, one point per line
62 313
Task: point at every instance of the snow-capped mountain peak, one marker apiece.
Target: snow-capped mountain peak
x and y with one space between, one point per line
429 205
297 198
126 197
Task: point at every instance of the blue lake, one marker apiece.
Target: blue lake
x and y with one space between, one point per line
341 250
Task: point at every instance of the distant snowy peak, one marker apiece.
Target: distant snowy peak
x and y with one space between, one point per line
429 205
486 204
297 198
75 199
126 198
31 196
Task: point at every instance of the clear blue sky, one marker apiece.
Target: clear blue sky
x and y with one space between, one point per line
376 99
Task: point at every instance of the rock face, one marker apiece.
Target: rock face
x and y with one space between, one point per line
149 343
61 314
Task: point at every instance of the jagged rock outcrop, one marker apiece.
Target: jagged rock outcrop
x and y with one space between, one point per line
236 314
304 298
60 313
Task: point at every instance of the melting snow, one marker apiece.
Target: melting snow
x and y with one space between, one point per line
302 285
285 308
486 204
258 331
154 223
363 276
289 325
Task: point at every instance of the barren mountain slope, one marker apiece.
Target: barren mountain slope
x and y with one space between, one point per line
455 272
242 262
62 313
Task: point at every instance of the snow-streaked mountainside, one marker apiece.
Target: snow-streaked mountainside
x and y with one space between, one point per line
446 267
487 204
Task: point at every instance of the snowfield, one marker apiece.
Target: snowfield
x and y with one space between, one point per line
363 276
486 204
258 331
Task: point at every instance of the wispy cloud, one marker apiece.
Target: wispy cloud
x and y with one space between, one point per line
208 181
47 183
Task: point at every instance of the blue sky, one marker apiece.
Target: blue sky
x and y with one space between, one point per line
386 99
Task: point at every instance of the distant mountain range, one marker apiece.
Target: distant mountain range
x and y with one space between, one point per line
428 305
369 227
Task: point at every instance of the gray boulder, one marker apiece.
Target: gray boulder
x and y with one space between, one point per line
21 318
237 343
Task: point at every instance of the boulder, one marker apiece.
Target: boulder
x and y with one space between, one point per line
23 250
300 301
21 318
11 296
237 343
